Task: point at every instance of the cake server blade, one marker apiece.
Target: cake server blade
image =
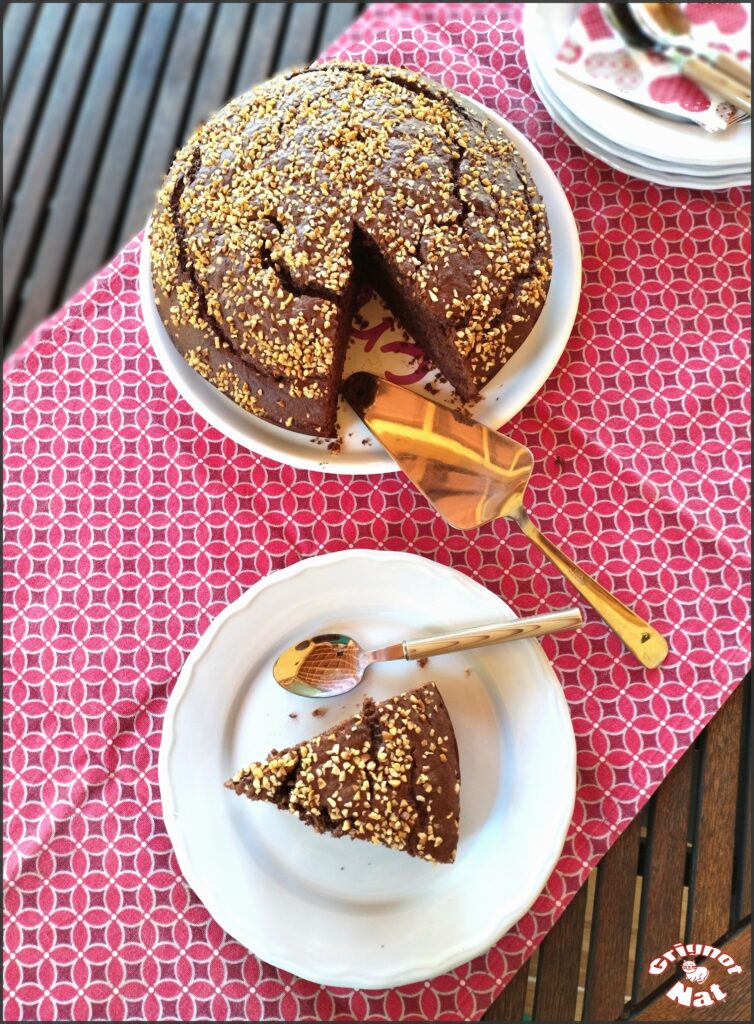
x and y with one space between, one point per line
472 475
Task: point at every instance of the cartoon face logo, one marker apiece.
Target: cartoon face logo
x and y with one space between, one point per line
696 975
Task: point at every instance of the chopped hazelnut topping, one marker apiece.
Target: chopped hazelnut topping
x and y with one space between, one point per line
383 799
265 208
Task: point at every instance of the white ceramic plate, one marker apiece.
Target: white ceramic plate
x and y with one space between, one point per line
545 26
343 912
518 381
662 174
610 146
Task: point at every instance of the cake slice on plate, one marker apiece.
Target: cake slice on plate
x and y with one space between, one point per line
388 775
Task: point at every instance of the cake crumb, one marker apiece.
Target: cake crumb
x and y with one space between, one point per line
423 662
319 712
293 714
367 440
335 445
467 671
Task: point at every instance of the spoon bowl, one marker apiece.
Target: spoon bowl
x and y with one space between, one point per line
322 666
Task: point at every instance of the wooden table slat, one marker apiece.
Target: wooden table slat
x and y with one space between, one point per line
559 962
169 108
50 140
259 58
664 869
338 18
30 89
78 170
301 34
743 901
130 116
612 918
712 863
510 1004
742 905
18 20
217 65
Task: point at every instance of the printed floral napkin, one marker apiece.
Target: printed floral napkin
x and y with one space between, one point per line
595 54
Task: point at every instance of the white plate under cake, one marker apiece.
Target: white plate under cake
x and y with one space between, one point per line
379 344
357 913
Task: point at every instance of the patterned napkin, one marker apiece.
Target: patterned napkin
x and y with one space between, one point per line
130 524
595 54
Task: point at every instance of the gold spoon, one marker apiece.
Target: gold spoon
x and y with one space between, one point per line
332 664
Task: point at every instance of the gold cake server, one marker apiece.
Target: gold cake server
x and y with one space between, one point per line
472 475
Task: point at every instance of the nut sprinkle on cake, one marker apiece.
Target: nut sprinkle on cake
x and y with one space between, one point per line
388 775
292 192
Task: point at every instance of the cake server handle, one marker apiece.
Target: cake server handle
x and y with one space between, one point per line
639 637
495 633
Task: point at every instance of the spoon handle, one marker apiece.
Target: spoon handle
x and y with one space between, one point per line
730 66
481 636
729 88
639 637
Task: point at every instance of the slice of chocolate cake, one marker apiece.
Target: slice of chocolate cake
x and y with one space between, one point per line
388 775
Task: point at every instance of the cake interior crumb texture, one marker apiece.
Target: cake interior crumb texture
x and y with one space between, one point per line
388 775
276 207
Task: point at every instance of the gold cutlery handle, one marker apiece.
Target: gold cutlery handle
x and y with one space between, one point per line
732 67
730 89
481 636
639 637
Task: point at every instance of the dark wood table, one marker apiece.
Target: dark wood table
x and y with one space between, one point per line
680 871
97 99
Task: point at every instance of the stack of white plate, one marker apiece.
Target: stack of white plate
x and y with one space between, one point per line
624 135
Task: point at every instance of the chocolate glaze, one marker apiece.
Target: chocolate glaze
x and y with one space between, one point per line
388 775
281 200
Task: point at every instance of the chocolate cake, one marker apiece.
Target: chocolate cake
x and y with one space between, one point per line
339 171
388 775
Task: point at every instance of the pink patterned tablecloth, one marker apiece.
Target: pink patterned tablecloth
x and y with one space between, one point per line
130 523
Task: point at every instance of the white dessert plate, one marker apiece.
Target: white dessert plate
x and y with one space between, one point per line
650 170
610 146
340 911
385 351
545 27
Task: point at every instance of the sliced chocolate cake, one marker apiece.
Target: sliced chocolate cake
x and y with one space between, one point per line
388 775
284 198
